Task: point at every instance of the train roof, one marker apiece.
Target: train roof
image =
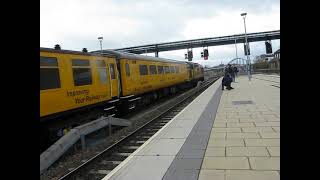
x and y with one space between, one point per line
73 52
112 53
131 56
195 64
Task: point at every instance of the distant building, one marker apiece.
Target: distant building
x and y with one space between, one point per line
220 65
275 62
264 58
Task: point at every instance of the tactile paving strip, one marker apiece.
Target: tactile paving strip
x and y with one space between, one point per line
241 102
187 162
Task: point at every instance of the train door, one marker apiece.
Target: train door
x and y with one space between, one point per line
190 71
51 84
113 80
161 76
153 75
143 78
104 80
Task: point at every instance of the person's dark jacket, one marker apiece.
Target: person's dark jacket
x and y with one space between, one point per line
226 80
230 70
235 69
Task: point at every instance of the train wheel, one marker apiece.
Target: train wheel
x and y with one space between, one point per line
155 95
173 90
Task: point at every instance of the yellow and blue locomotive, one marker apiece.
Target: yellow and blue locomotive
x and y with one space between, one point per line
74 81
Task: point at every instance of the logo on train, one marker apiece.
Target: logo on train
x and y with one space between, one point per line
82 96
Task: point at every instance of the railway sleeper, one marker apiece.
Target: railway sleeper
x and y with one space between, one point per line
149 133
130 149
166 118
158 127
160 123
169 116
153 130
163 122
115 160
135 142
142 137
101 171
124 154
108 164
127 150
92 176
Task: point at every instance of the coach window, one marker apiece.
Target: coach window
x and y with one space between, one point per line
177 69
143 69
172 69
112 71
153 69
49 73
102 71
166 69
160 69
81 72
127 69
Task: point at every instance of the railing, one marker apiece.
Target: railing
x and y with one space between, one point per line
266 71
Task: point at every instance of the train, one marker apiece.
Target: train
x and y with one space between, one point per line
116 82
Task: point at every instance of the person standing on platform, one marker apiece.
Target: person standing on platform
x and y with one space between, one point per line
235 71
229 69
226 81
231 72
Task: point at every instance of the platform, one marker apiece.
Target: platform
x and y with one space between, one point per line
221 135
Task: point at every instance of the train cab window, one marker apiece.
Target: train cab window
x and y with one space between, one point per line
49 73
166 69
81 72
172 69
153 69
160 69
48 61
80 62
177 69
112 71
101 63
143 69
127 69
102 71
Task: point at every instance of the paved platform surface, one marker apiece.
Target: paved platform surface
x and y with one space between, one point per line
245 139
221 135
177 149
271 78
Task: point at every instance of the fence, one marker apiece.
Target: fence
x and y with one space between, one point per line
266 71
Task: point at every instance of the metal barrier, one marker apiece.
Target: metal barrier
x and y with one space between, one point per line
266 71
54 152
212 73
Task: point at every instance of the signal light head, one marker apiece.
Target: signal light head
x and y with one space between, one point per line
57 47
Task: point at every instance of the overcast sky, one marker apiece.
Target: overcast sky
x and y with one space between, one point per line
75 24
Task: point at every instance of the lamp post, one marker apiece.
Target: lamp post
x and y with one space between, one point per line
100 40
247 45
235 44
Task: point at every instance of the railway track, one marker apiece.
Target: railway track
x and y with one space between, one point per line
103 163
